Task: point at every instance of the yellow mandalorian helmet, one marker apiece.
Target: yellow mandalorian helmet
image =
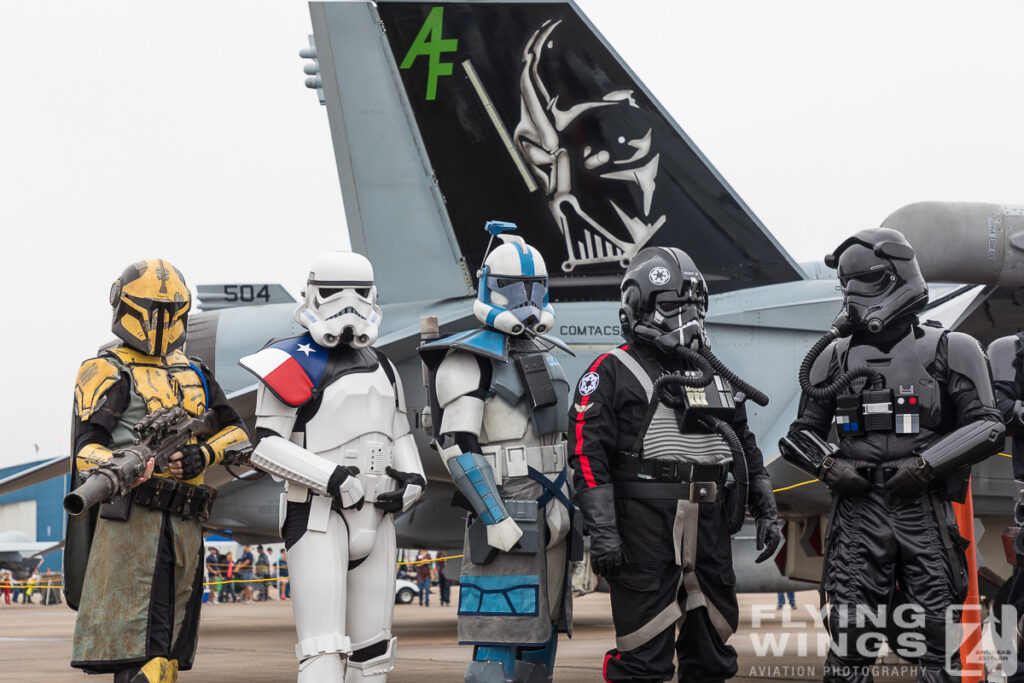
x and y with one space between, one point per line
151 303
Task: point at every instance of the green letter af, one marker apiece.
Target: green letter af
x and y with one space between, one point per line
430 44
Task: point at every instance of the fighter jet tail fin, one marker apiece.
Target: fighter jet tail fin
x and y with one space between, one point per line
447 115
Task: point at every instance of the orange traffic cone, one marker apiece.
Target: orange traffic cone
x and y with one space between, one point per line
970 646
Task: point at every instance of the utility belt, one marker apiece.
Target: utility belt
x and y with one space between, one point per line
878 475
952 488
667 479
878 410
184 500
508 462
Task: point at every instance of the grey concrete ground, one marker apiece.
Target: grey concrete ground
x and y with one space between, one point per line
253 643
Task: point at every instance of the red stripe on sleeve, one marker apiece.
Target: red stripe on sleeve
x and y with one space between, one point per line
588 474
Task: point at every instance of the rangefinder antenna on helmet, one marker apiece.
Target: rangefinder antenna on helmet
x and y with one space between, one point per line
513 292
340 301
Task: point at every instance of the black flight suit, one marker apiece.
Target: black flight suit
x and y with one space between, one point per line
605 422
882 549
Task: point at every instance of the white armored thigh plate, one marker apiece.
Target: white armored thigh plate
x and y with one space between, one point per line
503 422
356 404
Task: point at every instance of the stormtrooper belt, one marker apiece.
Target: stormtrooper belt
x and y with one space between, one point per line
178 498
515 461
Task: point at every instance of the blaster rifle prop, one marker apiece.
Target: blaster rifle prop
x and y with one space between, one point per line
158 436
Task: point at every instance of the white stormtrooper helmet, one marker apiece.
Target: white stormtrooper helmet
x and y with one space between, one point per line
513 291
340 305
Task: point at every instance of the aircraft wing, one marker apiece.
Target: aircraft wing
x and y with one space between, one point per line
459 113
44 471
28 548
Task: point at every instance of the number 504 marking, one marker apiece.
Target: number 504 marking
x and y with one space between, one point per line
246 293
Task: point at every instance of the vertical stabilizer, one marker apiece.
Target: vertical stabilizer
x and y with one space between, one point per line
447 115
393 207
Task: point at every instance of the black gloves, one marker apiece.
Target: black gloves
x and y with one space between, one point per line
394 501
345 488
843 478
913 476
194 459
766 515
597 504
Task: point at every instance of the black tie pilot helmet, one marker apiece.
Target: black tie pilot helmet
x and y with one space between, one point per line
664 297
881 280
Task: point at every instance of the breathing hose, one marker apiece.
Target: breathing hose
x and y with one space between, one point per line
706 364
738 512
827 393
705 377
749 390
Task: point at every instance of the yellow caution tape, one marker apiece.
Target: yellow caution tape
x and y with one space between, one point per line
803 483
44 586
436 559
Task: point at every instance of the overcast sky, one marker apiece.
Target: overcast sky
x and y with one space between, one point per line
183 130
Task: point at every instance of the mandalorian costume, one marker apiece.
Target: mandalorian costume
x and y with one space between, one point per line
664 464
134 571
331 421
913 409
498 404
1006 360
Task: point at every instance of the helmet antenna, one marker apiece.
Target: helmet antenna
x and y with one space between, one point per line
495 228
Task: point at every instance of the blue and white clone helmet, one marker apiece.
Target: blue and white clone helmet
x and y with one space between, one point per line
340 301
513 292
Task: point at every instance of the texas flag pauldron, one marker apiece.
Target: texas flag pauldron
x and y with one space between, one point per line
290 368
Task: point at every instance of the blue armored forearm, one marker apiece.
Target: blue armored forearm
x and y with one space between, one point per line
473 477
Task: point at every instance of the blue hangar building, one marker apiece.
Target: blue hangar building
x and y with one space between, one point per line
37 511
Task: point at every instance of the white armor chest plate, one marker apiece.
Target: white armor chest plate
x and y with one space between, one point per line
355 425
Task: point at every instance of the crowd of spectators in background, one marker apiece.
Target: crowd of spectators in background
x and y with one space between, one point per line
248 579
425 571
45 586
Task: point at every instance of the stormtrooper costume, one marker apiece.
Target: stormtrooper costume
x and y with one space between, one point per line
331 418
498 400
913 408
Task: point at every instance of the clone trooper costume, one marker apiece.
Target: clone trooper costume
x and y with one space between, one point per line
331 418
498 400
913 408
134 570
651 464
1006 361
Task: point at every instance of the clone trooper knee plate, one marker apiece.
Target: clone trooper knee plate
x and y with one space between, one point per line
499 404
332 420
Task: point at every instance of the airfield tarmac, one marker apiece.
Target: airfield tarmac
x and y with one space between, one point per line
253 643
